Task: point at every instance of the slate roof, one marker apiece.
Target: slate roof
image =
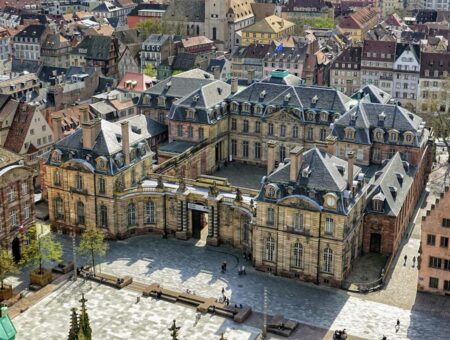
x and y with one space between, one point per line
184 61
414 48
55 41
8 158
214 63
188 10
144 6
365 117
203 101
176 87
20 66
300 97
31 31
146 126
48 72
97 47
319 173
252 51
391 185
176 146
373 94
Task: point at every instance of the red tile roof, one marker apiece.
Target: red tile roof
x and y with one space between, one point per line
362 18
136 82
19 128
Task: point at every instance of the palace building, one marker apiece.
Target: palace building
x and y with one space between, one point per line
343 174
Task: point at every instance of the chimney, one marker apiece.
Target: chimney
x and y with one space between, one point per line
234 85
250 76
126 141
91 129
296 161
57 127
350 164
270 156
216 72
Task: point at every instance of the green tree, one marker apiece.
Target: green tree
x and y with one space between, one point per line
93 243
41 248
174 329
174 73
150 70
85 331
7 266
320 22
74 326
151 26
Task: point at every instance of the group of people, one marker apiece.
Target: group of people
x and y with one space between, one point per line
413 260
241 270
340 335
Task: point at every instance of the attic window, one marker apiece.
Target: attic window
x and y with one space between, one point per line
314 100
262 94
350 133
195 98
408 137
341 169
381 117
399 178
161 101
287 97
190 114
393 136
306 172
168 85
393 191
377 204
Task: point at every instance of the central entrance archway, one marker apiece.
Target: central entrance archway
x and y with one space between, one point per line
199 221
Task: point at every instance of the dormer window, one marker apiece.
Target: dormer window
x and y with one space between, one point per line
56 156
377 204
246 107
262 95
330 201
324 116
378 135
270 109
393 136
161 101
190 114
146 99
350 133
101 163
234 107
314 100
310 116
287 97
258 109
408 137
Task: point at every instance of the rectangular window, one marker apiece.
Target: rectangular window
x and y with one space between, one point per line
435 262
101 185
329 225
431 240
233 124
234 147
446 285
245 126
270 216
13 218
444 242
257 127
282 130
310 133
79 182
245 149
201 133
26 211
257 150
446 264
446 222
434 282
323 134
190 132
180 130
270 129
24 188
298 221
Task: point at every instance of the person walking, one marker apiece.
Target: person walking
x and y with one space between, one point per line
406 258
243 269
397 327
414 261
223 290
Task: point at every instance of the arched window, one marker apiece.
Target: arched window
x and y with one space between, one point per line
377 205
150 212
80 213
282 130
103 216
393 136
131 214
59 209
350 133
270 248
297 255
57 178
328 260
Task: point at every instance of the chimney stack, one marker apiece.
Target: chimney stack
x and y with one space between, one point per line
350 164
84 115
270 156
57 127
126 141
296 161
216 72
234 85
250 76
91 128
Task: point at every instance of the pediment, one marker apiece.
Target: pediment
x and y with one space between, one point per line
300 202
283 116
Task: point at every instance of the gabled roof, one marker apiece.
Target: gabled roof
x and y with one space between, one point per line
19 128
373 94
271 24
146 126
138 82
21 66
391 185
188 10
95 47
32 31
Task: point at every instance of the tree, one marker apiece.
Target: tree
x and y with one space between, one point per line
174 329
41 248
7 266
319 22
174 73
74 326
93 243
150 70
85 331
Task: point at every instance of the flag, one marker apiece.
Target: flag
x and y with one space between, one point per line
279 48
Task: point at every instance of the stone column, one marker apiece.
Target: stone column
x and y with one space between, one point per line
216 223
210 222
213 225
180 215
270 156
185 214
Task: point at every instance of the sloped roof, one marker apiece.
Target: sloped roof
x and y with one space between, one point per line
374 94
271 24
19 128
146 126
96 47
188 10
391 185
8 158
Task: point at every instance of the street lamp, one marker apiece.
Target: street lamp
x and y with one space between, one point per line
74 254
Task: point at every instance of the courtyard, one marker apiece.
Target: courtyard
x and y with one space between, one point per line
242 175
182 265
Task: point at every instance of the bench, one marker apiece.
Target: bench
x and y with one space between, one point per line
34 287
225 312
242 314
108 279
62 268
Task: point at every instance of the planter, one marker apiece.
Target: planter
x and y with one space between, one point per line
41 279
6 293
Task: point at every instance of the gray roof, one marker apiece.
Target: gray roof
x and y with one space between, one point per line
391 185
157 39
176 146
366 117
145 126
96 46
203 101
372 94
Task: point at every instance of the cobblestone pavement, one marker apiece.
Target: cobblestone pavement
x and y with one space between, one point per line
181 265
114 314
